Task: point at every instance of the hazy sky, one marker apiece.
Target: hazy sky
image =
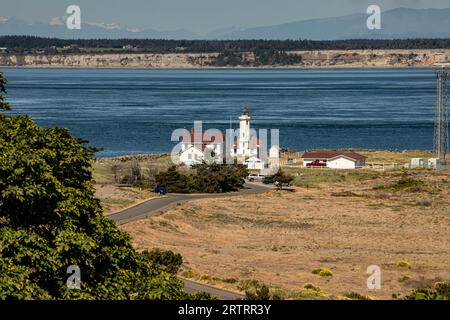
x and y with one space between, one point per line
200 15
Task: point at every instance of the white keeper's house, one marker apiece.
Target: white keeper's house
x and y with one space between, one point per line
245 149
334 159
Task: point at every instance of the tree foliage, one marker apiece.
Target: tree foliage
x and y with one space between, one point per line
260 57
3 104
173 181
50 219
205 178
28 44
282 177
171 261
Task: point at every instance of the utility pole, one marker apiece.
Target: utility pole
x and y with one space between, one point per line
441 122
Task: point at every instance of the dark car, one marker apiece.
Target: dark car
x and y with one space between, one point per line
268 180
161 191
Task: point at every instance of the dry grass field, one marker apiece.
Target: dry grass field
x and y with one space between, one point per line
397 220
115 198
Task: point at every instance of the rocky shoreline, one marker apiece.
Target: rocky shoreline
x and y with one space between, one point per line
309 59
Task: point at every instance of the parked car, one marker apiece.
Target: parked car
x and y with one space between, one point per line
161 191
316 163
255 177
268 180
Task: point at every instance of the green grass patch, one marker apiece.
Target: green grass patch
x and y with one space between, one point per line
315 177
404 183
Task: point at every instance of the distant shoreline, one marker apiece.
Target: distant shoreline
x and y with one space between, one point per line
219 68
315 59
157 155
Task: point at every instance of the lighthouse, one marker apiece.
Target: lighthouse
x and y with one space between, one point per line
244 133
243 147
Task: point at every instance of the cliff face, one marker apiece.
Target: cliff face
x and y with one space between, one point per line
375 58
311 59
106 60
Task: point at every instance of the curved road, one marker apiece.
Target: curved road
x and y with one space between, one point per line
152 207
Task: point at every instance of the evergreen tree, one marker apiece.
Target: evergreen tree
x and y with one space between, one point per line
50 220
172 181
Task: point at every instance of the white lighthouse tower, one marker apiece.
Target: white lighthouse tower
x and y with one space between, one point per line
244 134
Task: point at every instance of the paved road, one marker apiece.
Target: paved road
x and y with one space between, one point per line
155 206
193 287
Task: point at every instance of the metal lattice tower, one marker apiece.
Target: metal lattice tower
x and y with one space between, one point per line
441 122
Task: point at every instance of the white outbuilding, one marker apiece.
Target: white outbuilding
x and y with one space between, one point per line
333 159
254 163
192 155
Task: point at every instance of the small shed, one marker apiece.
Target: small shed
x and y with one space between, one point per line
434 162
419 162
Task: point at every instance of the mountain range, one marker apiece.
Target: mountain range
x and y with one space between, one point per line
400 23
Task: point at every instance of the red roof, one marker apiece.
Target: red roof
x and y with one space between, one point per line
208 139
330 154
205 138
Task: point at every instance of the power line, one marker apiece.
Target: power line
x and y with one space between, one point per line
441 123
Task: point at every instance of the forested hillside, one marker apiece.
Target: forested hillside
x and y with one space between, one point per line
23 44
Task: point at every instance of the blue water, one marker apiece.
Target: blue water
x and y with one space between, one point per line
134 111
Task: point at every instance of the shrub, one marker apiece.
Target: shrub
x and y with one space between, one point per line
188 274
403 264
206 178
230 280
310 286
133 176
441 291
344 194
261 292
173 181
283 178
323 272
310 290
202 296
247 284
356 296
205 277
404 183
404 278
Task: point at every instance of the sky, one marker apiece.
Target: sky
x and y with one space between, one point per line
200 16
